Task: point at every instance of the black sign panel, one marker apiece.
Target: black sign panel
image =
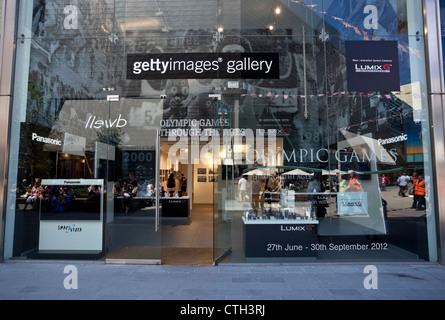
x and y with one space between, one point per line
372 66
203 66
280 240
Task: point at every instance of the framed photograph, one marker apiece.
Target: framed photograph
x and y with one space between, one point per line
202 171
213 178
202 179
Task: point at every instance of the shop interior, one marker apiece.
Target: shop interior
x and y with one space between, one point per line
198 219
186 211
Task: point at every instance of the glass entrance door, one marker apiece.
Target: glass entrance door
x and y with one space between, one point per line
132 230
225 202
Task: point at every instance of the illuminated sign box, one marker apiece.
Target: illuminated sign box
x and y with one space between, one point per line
71 216
203 66
372 66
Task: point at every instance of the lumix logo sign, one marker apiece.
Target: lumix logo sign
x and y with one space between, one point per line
370 66
297 228
176 201
203 66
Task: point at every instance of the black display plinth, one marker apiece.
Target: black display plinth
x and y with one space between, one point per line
175 207
280 238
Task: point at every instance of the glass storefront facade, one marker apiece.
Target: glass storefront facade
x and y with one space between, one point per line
304 127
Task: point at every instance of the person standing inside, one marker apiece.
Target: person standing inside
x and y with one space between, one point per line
183 184
242 187
256 187
263 193
171 184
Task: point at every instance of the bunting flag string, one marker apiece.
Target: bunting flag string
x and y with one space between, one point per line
286 96
359 32
375 120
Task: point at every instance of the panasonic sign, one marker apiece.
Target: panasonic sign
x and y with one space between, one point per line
36 137
403 137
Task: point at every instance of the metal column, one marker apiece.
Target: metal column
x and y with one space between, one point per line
7 53
437 101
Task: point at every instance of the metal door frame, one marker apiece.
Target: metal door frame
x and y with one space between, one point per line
8 31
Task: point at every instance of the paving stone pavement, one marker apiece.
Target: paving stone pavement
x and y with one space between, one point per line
98 281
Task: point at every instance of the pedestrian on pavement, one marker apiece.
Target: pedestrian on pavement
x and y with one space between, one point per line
242 184
402 182
414 180
354 184
419 190
343 183
256 187
384 181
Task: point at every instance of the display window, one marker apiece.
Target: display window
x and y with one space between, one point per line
302 127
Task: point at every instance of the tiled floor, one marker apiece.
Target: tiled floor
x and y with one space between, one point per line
183 241
96 281
197 232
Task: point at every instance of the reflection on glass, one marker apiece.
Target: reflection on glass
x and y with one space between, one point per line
300 149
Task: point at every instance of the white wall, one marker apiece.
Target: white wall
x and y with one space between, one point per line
202 191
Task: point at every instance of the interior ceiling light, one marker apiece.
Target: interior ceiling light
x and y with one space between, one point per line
271 27
277 10
220 29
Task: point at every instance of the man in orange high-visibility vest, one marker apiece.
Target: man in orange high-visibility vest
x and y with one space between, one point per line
419 191
354 184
